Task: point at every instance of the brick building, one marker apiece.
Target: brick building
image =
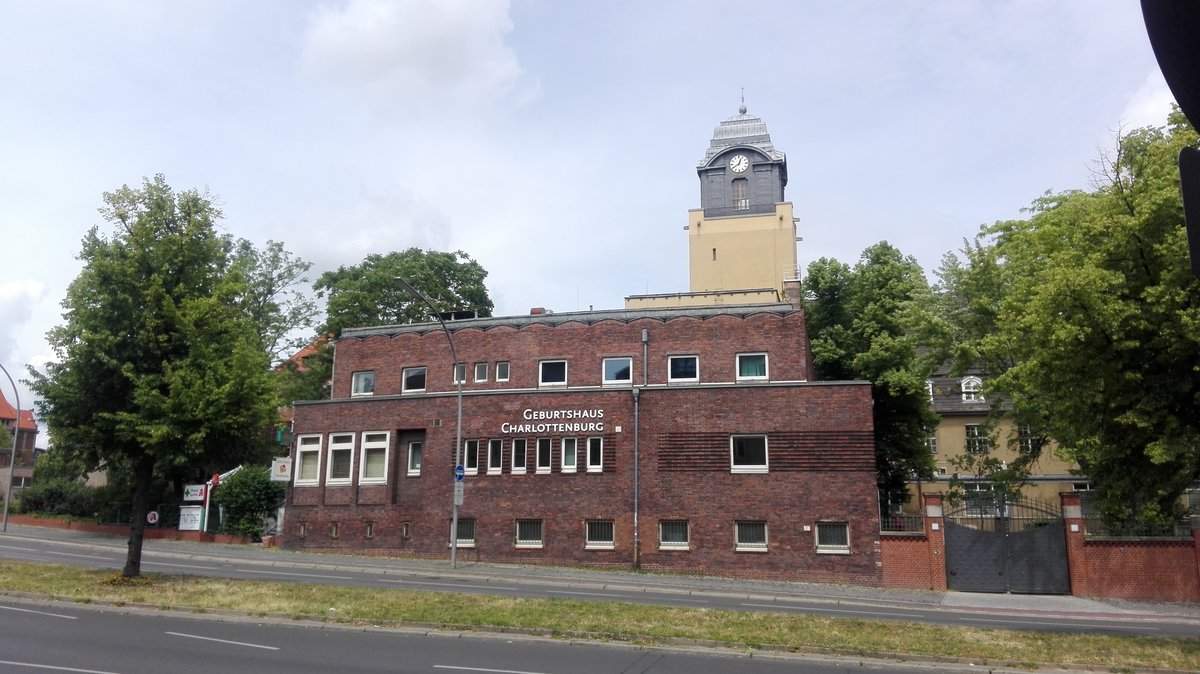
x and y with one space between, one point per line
23 424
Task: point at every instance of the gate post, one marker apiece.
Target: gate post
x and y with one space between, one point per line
935 533
1074 529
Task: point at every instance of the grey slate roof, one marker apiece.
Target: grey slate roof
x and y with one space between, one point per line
741 129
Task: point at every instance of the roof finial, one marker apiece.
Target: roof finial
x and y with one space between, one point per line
742 107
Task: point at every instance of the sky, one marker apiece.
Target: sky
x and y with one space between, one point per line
554 141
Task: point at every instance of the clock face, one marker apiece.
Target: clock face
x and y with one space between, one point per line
739 163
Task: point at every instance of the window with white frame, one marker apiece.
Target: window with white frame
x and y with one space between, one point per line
599 535
617 371
751 536
341 459
569 448
595 455
683 368
373 465
833 538
466 532
978 441
502 371
929 389
495 456
543 455
529 533
971 390
1027 441
414 457
471 457
481 372
413 380
362 383
308 460
460 374
748 453
519 448
552 373
931 443
673 534
752 366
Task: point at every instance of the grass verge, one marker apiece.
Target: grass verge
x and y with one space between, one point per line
601 620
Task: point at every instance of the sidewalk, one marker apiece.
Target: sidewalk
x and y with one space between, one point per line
1040 605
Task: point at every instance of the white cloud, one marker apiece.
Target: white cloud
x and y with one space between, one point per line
1150 104
17 302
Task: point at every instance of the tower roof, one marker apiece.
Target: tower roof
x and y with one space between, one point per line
741 129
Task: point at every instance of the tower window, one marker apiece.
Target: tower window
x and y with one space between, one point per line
741 194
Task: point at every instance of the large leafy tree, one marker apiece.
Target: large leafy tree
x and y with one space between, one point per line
274 299
1088 318
158 365
859 328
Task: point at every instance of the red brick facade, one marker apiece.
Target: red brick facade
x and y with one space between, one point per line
817 472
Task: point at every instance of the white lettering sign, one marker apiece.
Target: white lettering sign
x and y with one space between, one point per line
557 421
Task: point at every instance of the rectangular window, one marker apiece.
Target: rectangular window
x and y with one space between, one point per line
833 538
373 466
466 532
552 373
741 189
543 455
502 371
569 447
414 458
460 374
683 368
599 535
481 372
1027 442
595 455
362 383
748 453
751 366
529 533
471 457
673 534
518 454
751 536
495 456
978 441
931 443
618 371
308 459
341 459
414 380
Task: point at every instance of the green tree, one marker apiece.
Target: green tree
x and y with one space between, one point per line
248 497
1088 318
157 363
859 327
273 298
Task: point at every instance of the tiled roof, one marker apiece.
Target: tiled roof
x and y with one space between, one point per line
9 413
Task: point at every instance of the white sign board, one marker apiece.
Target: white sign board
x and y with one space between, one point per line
193 492
189 518
458 493
281 469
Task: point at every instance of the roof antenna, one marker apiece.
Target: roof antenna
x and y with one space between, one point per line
742 107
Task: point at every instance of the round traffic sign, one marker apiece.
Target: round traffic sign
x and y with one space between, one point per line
459 472
152 517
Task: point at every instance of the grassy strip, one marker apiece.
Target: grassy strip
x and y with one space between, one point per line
611 620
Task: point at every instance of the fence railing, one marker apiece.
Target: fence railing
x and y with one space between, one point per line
902 524
1096 527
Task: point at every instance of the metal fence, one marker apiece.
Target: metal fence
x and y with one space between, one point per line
1096 527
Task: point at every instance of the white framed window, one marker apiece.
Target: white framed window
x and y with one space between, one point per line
978 441
471 457
543 455
931 443
1027 442
929 389
750 536
833 538
683 368
362 383
495 456
595 455
460 374
341 459
414 457
413 380
502 371
308 460
466 532
971 390
570 452
599 535
752 367
552 373
373 465
481 372
616 371
519 448
748 453
529 534
673 535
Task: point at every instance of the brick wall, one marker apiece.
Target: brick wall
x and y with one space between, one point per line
917 561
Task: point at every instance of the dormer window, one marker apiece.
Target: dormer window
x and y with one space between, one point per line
741 194
972 388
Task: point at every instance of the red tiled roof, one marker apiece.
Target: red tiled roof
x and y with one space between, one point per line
8 413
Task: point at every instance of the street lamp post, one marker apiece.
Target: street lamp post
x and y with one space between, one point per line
416 294
12 458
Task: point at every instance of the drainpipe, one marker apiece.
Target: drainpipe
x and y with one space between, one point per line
637 540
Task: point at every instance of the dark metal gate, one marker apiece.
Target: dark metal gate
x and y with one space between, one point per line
999 545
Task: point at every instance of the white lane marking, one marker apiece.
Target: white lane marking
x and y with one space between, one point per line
183 566
13 547
588 594
480 669
52 615
302 575
57 669
69 554
223 641
667 597
1060 624
469 587
835 610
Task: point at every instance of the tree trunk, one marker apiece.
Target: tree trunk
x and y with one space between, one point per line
143 475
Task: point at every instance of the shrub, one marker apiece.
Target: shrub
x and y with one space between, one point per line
248 497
